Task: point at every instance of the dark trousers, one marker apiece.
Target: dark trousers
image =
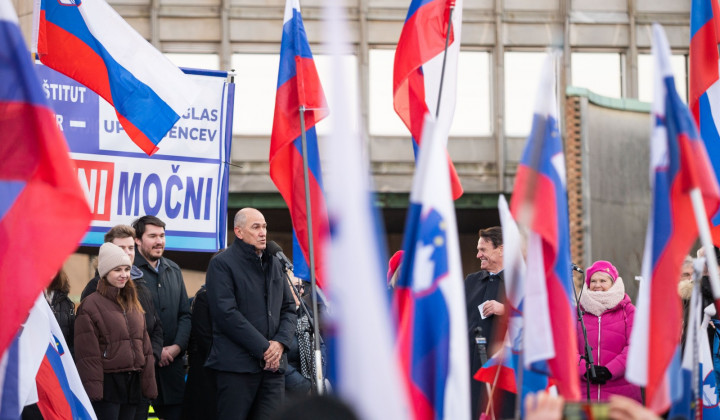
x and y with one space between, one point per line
142 410
253 396
105 410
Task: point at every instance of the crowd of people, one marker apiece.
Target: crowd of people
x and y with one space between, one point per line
248 333
605 322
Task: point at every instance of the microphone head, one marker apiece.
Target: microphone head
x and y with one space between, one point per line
273 248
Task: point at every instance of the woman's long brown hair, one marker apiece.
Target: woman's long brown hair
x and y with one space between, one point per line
126 297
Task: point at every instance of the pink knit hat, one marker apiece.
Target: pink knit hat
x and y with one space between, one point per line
603 266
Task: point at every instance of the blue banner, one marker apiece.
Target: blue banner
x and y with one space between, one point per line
185 183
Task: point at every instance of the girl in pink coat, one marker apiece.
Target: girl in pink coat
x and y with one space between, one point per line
608 315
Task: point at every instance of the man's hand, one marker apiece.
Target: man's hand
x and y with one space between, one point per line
272 356
493 307
169 354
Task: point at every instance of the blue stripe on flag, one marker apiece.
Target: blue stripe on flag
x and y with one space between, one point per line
10 398
289 47
131 97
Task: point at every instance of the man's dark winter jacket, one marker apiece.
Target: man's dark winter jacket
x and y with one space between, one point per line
250 304
171 302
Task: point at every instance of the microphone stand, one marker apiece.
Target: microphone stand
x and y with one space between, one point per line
311 321
296 292
589 363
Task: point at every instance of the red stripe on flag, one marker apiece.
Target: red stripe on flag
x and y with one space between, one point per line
52 198
664 301
421 39
286 165
421 406
137 136
63 52
505 377
564 365
52 401
703 63
286 120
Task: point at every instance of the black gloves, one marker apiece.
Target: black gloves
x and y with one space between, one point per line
602 375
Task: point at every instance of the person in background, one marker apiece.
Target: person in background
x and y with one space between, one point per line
608 315
113 353
124 237
200 401
300 373
167 288
485 299
64 309
685 288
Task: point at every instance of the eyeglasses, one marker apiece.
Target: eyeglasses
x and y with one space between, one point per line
300 286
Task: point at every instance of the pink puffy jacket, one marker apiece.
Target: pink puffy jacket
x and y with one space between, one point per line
609 338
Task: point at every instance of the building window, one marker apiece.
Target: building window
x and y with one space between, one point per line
348 81
472 108
599 72
522 75
255 87
646 74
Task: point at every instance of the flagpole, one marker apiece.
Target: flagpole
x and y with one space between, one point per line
442 72
706 241
696 404
311 255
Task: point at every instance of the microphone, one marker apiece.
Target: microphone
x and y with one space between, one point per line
576 268
274 249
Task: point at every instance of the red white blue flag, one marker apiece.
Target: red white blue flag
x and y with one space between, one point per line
704 99
539 205
421 65
678 165
362 365
697 344
39 189
299 85
505 369
38 368
88 41
429 298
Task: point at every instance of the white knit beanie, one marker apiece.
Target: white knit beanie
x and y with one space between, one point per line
111 256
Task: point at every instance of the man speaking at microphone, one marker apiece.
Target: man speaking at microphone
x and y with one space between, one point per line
253 317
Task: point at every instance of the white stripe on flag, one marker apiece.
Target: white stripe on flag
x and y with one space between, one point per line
368 372
538 340
138 56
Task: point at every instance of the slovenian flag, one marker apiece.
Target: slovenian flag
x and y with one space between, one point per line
505 369
88 41
363 368
38 368
679 165
704 81
420 66
539 205
429 298
39 189
299 86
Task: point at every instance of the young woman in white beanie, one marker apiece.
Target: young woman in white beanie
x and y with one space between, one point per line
112 347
